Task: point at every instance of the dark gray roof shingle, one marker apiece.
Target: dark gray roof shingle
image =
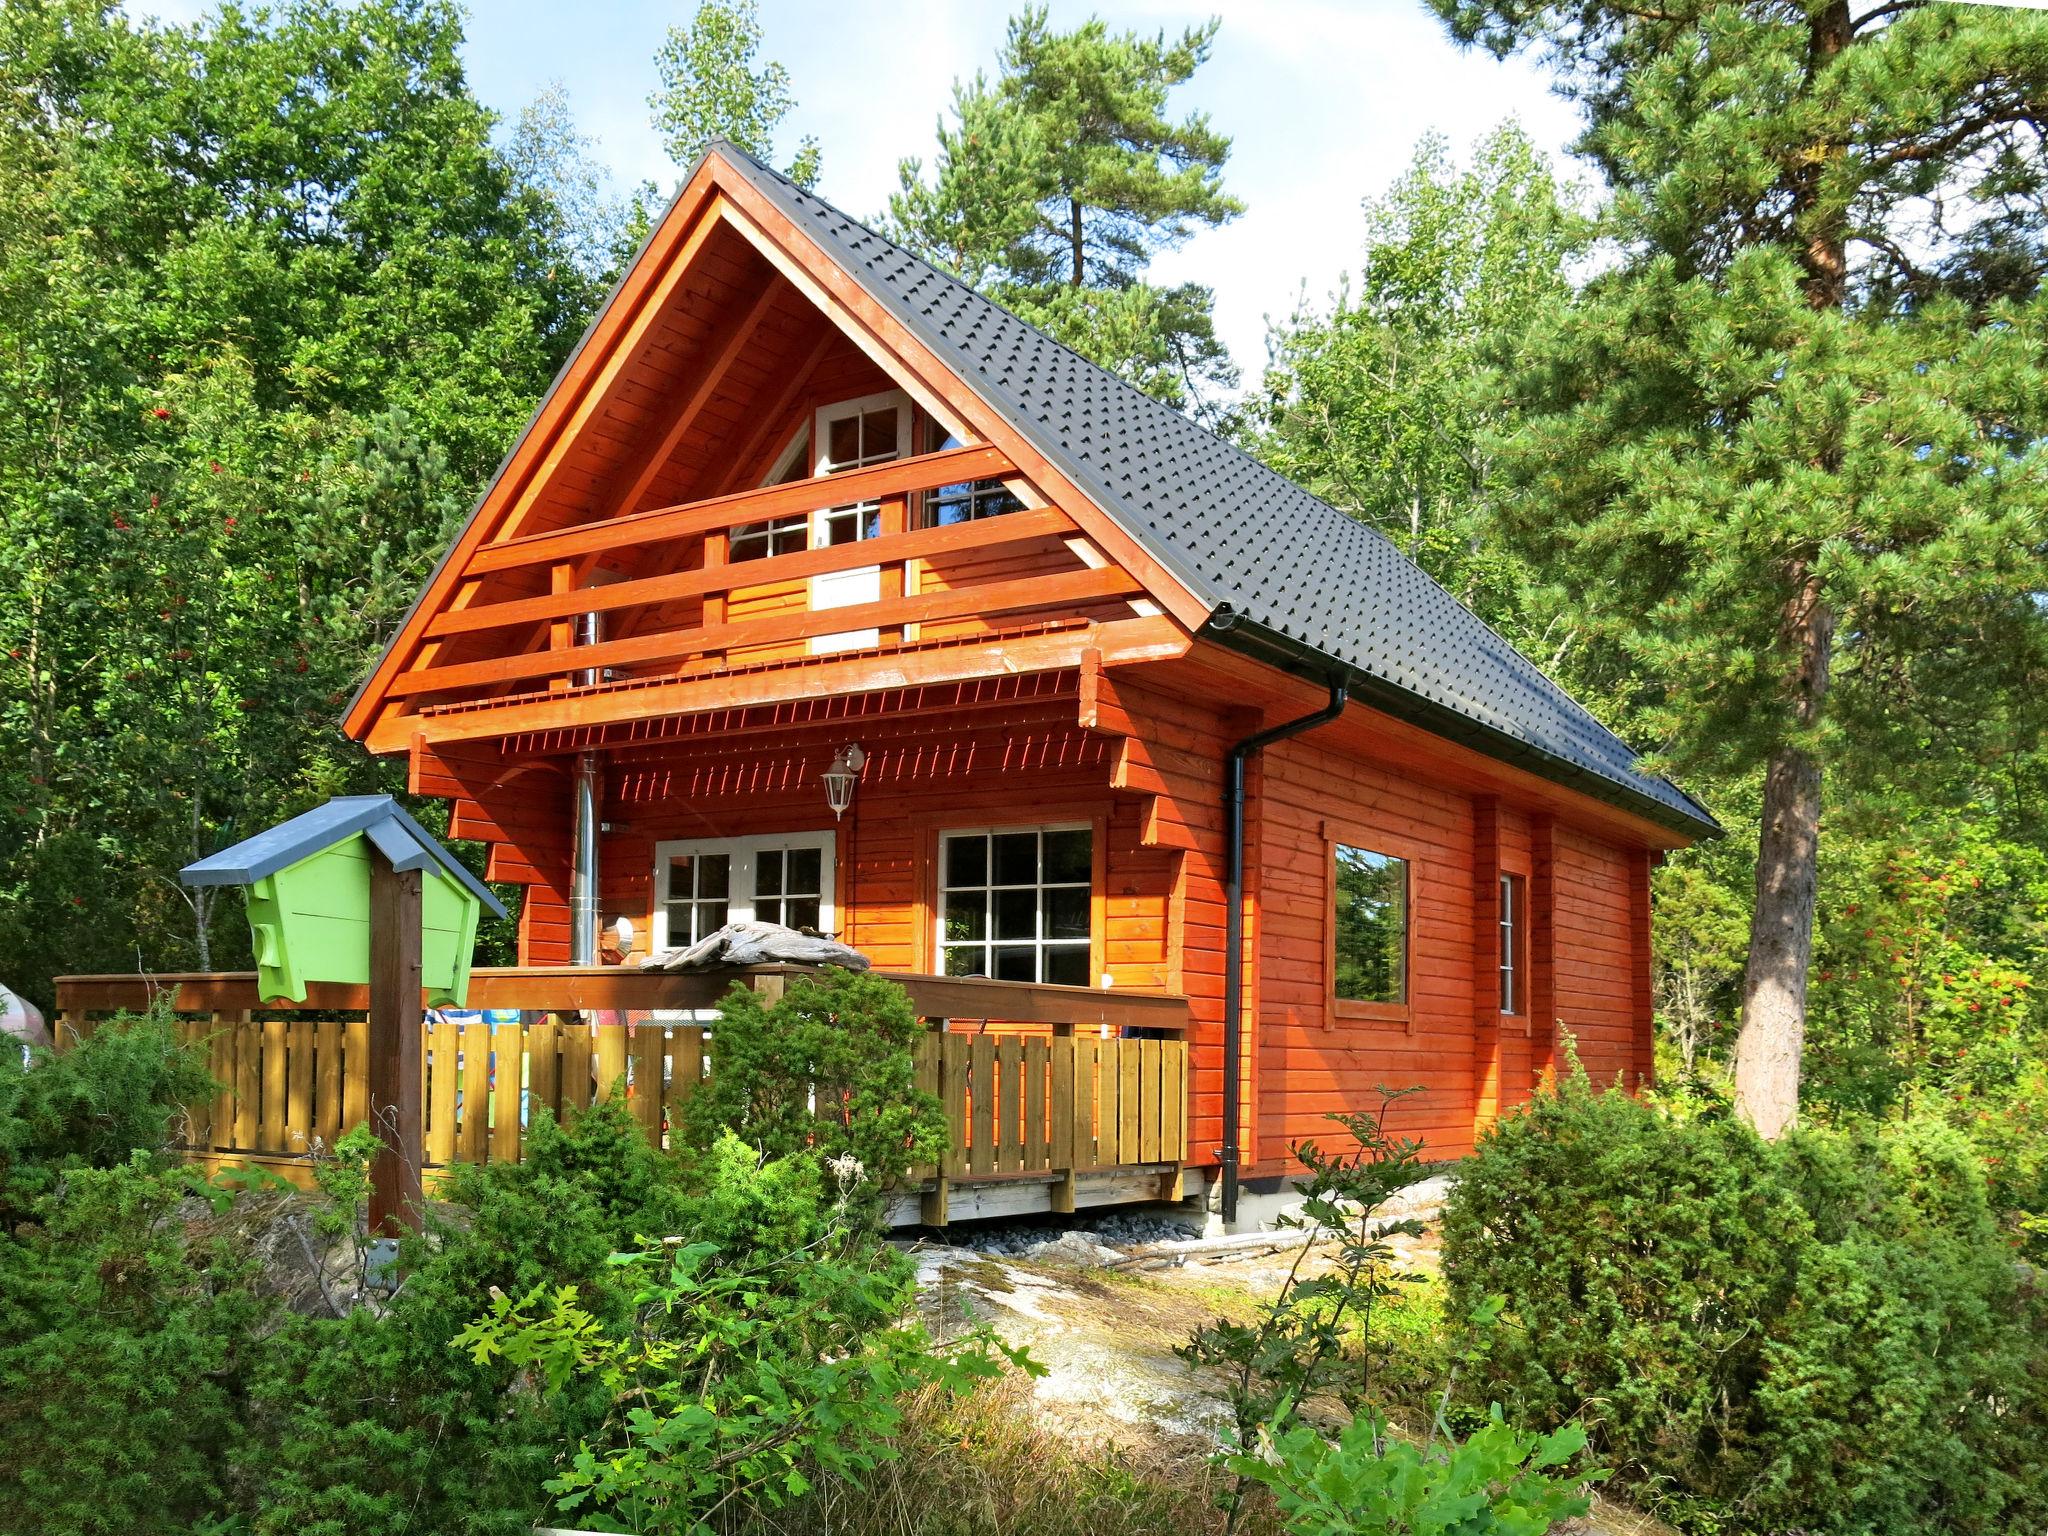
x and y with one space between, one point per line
1281 570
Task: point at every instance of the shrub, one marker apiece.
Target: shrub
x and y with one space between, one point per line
1825 1333
120 1090
825 1071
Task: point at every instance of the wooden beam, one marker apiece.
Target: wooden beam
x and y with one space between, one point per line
919 543
1006 597
921 473
396 1201
723 352
1122 642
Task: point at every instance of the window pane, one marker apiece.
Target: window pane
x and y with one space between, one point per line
843 439
714 870
801 912
679 915
1017 914
967 860
805 870
1067 964
769 910
1016 963
710 917
1066 914
768 873
878 434
1372 926
1016 858
1069 856
966 960
966 917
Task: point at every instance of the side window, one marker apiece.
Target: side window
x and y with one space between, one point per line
853 437
785 535
968 500
1016 904
699 891
1511 921
1371 923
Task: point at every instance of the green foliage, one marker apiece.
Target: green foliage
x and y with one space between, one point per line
120 1091
825 1071
1497 1482
712 89
745 1374
1371 404
1781 1331
1055 186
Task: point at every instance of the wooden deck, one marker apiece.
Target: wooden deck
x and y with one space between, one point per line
1055 1097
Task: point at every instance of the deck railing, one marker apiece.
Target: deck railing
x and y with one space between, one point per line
1042 1085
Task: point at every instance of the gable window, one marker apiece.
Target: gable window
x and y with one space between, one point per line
1015 903
969 499
1511 943
785 535
853 436
1371 926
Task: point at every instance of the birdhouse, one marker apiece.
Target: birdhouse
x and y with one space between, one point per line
307 885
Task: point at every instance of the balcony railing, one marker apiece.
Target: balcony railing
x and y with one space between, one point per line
1054 1097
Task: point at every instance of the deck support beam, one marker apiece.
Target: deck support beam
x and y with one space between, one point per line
396 1200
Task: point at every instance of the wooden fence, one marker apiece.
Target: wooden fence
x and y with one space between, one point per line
1077 1095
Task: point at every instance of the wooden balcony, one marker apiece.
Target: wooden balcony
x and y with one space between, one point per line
1055 1098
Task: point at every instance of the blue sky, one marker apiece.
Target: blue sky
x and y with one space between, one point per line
1325 99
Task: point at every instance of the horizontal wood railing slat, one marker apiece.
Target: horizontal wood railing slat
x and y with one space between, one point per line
923 473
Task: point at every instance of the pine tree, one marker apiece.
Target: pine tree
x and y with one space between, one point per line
1057 183
1783 449
712 89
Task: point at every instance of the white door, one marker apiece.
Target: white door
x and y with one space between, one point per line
703 884
851 435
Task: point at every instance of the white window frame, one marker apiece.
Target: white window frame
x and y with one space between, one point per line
1040 943
863 583
1513 901
776 530
745 853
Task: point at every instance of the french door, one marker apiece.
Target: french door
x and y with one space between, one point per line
702 884
852 435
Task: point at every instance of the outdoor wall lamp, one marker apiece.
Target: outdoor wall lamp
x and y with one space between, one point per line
841 777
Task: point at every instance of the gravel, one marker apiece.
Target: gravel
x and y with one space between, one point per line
1094 1239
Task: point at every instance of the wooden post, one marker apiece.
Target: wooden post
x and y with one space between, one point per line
396 1199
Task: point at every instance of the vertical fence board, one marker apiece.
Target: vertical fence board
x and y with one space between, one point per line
476 1091
221 1059
543 1070
981 1072
1148 1101
355 1077
327 1081
442 1078
953 1055
1036 1139
270 1121
1065 1112
508 1053
575 1084
611 1054
1127 1092
1109 1089
646 1079
1009 1143
298 1101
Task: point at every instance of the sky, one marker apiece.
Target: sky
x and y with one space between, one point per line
1324 99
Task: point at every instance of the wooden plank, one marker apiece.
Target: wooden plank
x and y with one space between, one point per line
647 1057
1109 1084
1035 1140
474 1130
508 1055
327 1081
609 1043
392 1056
981 1067
226 1032
998 598
298 1103
989 533
1148 1101
443 1078
1127 1091
543 1070
638 529
953 1064
355 1076
270 1126
1063 1122
1176 1052
576 1085
1009 1148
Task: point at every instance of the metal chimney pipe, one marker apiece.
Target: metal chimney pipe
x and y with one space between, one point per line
588 789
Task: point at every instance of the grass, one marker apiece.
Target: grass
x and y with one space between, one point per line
981 1467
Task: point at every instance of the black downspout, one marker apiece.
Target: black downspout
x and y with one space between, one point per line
1233 929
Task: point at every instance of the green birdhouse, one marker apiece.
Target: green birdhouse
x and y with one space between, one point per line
307 885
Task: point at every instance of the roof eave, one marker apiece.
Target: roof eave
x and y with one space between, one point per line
1261 643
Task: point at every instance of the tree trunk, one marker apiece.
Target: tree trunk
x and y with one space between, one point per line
1787 875
1074 236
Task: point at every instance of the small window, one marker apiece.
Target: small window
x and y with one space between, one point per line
699 895
1371 926
968 500
789 887
757 541
1016 904
854 436
1510 943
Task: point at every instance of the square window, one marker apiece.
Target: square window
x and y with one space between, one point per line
967 859
1016 858
843 441
803 871
768 874
1070 857
801 912
966 917
1066 965
714 874
878 434
1016 914
1066 913
1016 962
966 960
1371 923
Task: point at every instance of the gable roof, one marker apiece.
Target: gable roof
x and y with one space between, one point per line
1286 576
380 818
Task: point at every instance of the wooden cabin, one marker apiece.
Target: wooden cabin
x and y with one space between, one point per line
798 492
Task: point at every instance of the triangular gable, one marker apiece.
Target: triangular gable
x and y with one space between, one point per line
723 286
